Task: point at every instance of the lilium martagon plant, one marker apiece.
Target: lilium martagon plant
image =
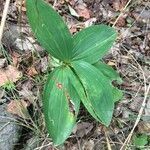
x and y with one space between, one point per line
82 77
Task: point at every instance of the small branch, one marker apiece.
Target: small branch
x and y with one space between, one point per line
4 19
121 13
107 140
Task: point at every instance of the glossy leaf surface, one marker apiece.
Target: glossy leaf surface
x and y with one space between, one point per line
93 42
61 105
98 92
50 29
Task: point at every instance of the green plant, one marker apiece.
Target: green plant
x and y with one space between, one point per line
9 86
140 141
80 77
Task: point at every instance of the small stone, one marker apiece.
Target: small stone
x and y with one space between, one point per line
2 62
9 130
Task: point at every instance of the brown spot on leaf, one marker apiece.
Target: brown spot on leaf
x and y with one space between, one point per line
71 104
59 85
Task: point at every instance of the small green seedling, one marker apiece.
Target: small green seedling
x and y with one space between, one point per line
81 77
140 141
9 86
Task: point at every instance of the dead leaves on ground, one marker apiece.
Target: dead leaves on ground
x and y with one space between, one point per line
83 11
19 108
10 74
83 128
79 10
144 127
80 19
20 4
119 5
31 71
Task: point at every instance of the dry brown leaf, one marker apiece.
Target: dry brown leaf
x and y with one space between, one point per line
15 58
136 103
88 145
118 5
71 2
83 11
32 71
21 5
10 74
27 94
73 29
121 22
83 128
144 127
19 108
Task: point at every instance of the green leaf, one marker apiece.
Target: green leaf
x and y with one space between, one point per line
140 141
111 75
77 84
92 43
98 91
117 94
50 29
108 71
60 104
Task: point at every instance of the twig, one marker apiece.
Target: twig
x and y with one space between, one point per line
137 120
44 146
122 11
4 126
4 18
107 140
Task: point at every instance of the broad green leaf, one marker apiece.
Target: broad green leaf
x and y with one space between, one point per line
98 91
60 104
50 29
77 84
117 94
111 75
92 43
108 71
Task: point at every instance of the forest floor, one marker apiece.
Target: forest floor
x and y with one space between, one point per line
26 65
